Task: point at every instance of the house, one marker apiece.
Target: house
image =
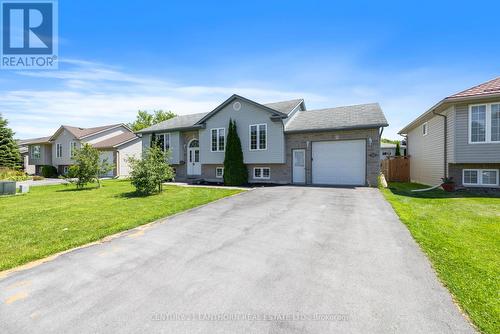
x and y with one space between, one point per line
115 142
458 137
24 151
389 150
282 142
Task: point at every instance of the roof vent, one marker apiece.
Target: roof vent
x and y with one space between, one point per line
492 89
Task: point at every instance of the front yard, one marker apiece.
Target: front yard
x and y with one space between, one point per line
460 233
51 219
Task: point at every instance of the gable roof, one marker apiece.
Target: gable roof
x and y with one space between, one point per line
116 141
274 113
285 107
81 133
485 90
359 116
183 122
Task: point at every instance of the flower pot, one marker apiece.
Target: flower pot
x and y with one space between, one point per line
449 187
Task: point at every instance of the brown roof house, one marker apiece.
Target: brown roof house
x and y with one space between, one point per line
115 142
458 137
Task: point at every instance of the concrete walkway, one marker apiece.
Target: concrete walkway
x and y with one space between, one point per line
272 260
44 182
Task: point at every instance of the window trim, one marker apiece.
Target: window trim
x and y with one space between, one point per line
217 139
216 170
57 150
261 177
165 135
425 127
258 137
480 177
488 124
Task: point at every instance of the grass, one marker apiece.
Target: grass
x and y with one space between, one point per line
51 219
460 233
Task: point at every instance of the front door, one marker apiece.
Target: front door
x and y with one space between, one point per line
299 166
194 166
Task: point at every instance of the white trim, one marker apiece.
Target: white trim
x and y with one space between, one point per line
217 139
216 170
425 126
480 177
57 150
101 131
261 177
258 137
487 138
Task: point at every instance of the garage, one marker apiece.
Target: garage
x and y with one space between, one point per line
340 162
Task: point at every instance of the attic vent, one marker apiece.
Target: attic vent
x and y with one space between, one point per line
237 106
492 89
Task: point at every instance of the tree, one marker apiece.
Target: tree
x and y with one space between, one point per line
235 171
149 172
88 166
9 151
389 141
145 119
398 150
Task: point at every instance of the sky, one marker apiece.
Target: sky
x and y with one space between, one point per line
117 57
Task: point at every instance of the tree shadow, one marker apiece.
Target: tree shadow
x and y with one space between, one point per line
76 189
405 189
135 194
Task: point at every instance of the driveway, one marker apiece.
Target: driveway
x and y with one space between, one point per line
273 260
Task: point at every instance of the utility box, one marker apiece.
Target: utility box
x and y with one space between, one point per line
24 188
7 188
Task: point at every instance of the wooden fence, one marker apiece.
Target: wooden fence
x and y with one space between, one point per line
396 169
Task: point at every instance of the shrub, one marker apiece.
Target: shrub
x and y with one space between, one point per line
235 171
149 172
10 174
48 171
38 178
88 166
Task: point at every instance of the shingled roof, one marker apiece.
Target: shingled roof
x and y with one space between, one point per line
183 122
359 116
84 132
487 88
116 140
285 107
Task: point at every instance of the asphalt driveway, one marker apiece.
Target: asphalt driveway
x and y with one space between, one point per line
273 260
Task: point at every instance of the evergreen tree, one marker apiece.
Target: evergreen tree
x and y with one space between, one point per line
9 151
235 171
398 150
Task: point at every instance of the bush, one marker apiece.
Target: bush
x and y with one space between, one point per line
48 171
149 173
235 171
38 178
10 174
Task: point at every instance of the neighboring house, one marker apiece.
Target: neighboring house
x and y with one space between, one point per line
458 137
115 142
282 142
24 150
389 150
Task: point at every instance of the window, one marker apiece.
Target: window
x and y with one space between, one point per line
218 139
261 173
162 141
72 148
495 122
484 123
258 137
480 177
219 172
59 150
35 152
425 129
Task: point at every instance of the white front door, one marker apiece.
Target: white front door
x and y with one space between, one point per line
299 166
340 162
194 165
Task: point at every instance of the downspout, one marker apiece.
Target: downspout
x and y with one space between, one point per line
445 142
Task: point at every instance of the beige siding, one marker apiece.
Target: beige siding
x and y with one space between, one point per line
45 155
427 152
105 135
450 140
64 138
131 149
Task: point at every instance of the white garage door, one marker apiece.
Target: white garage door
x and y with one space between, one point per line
339 162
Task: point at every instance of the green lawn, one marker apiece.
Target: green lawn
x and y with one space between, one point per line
51 219
461 235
